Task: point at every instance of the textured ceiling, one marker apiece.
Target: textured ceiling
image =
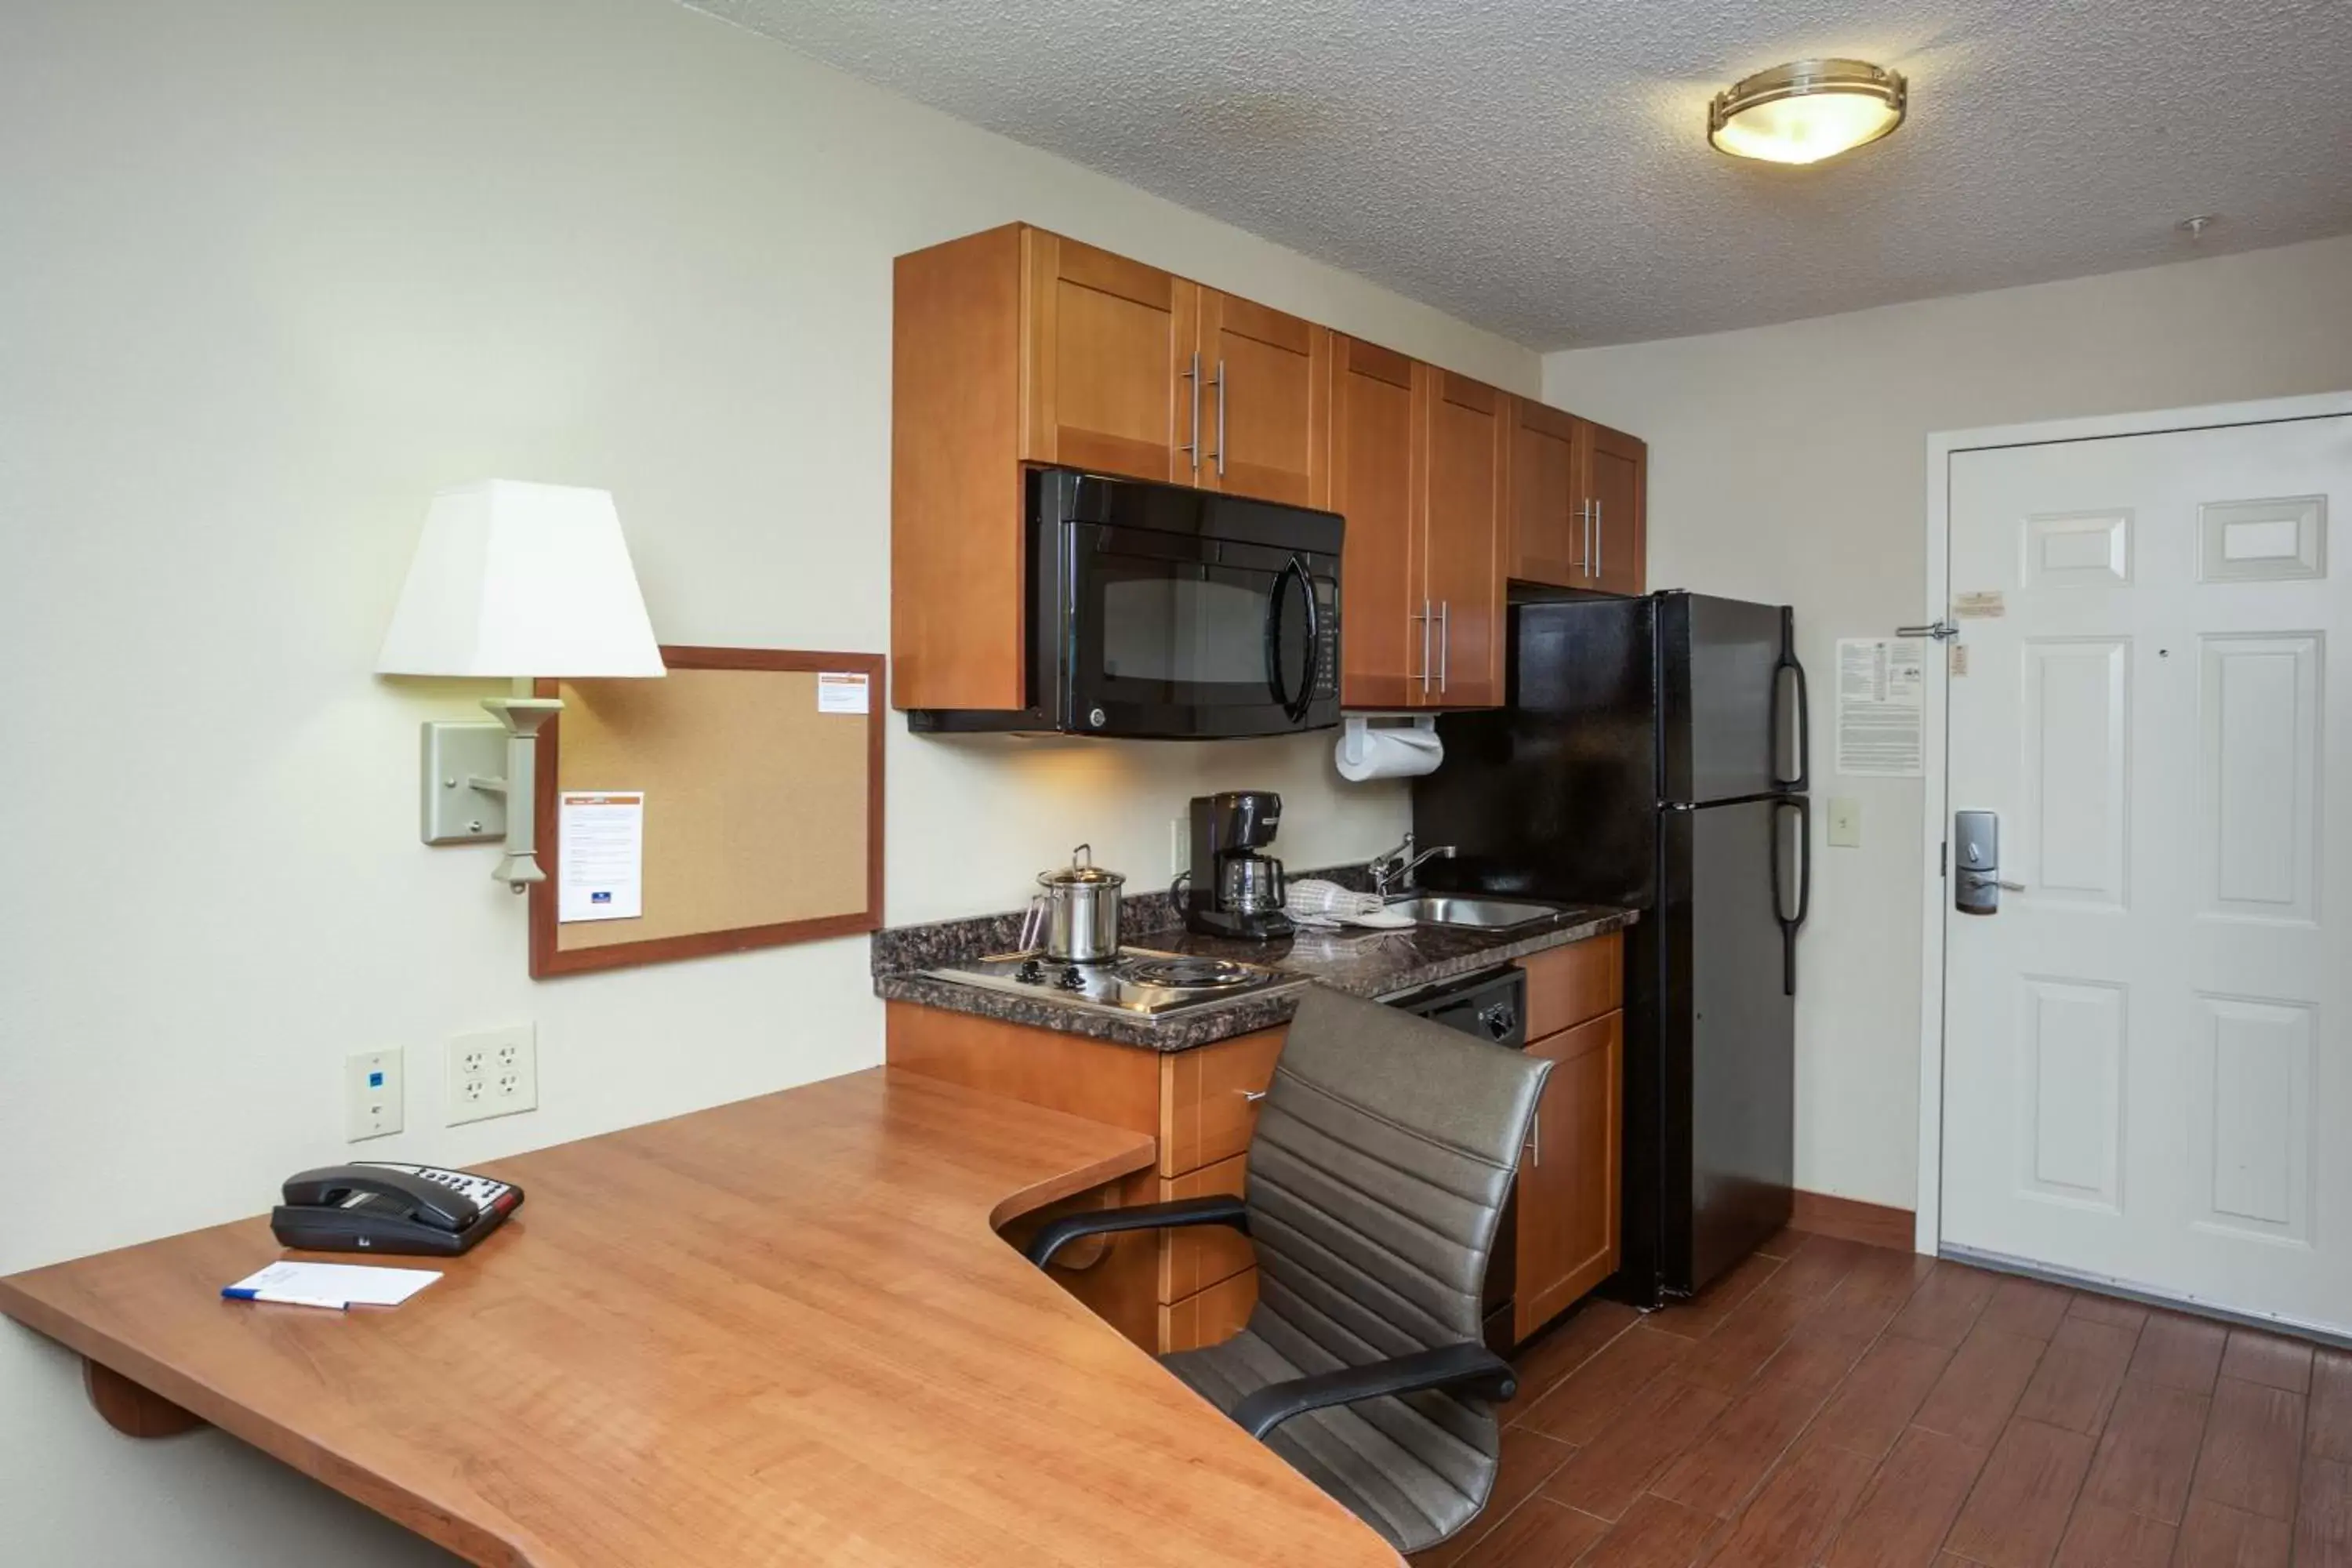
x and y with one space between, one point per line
1541 168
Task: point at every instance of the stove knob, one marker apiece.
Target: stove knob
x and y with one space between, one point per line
1071 979
1031 972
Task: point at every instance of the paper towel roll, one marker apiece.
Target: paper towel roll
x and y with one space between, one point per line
1364 753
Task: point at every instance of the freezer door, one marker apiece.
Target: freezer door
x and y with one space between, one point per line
1728 700
1554 795
1731 1040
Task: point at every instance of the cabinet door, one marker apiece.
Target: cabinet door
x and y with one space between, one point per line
1107 363
1373 470
1617 469
1568 1224
1462 538
1548 543
1266 390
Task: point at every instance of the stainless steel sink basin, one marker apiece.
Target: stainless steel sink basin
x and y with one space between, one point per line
1486 914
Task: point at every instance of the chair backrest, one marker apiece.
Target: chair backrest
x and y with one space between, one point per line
1383 1155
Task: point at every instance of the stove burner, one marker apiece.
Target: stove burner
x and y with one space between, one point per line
1188 973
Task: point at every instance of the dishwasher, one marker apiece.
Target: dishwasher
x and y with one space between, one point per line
1492 1006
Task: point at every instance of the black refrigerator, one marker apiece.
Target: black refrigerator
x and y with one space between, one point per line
1651 752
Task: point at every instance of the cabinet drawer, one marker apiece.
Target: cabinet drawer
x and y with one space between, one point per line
1209 1097
1208 1317
1195 1256
1569 985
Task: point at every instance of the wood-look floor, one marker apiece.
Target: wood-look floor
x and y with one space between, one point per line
1837 1404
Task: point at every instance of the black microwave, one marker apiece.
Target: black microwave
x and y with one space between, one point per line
1162 613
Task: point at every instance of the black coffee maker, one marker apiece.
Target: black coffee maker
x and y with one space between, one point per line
1236 891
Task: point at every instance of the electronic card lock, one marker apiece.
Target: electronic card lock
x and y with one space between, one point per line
1976 863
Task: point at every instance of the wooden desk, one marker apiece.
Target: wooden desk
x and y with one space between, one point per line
781 1332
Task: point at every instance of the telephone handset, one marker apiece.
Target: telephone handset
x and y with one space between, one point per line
382 1205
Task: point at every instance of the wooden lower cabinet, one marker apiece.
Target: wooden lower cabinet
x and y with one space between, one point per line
1568 1173
1170 1290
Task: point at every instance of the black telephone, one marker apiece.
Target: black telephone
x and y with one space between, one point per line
380 1205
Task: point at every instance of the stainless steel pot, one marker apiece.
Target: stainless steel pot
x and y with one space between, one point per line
1076 919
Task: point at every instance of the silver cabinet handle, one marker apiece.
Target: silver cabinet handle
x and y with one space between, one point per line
1584 539
1596 540
1534 1139
1193 447
1423 618
1252 1095
1445 641
1219 384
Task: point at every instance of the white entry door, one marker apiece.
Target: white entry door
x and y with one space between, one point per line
2147 1052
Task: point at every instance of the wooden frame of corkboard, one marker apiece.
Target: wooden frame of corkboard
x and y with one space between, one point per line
763 815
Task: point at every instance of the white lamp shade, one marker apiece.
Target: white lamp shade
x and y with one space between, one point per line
513 580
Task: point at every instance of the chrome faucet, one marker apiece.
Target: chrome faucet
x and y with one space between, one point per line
1392 871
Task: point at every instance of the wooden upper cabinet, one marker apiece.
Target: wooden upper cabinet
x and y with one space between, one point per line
1105 361
1616 479
1372 468
1463 527
1548 542
1266 402
1569 1237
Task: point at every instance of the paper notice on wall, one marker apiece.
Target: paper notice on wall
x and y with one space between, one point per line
1882 707
842 692
600 854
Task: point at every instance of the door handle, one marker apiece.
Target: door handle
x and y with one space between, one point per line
1977 883
1597 540
1445 641
1251 1096
1193 447
1584 539
1423 618
1534 1145
1219 384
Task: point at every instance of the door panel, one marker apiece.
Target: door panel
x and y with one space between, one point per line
1267 402
1724 717
1548 541
2142 1048
1743 1030
1461 541
1104 367
1568 1193
1616 481
1372 478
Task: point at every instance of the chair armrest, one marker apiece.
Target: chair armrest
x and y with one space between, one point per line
1056 1233
1464 1368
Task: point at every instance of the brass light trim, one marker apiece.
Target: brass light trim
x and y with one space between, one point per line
1804 78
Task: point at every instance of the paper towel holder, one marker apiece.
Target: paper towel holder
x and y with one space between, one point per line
1355 727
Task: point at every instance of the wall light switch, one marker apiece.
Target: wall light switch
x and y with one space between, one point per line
1845 822
373 1088
494 1073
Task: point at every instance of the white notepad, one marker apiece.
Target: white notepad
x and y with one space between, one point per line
351 1283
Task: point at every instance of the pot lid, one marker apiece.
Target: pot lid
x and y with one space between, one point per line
1081 871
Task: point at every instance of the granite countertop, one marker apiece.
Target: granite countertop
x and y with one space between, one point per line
1362 962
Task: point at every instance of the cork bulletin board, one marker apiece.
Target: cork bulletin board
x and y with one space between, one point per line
762 813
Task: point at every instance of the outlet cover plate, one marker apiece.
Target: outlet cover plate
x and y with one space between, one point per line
452 811
374 1094
493 1073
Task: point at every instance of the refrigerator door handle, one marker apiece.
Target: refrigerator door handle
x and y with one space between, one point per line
1787 662
1790 922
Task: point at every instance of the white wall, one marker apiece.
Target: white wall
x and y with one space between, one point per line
1788 464
275 270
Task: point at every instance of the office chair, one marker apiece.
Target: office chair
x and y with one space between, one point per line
1384 1152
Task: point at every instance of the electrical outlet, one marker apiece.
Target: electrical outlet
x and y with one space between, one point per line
494 1073
373 1091
1845 822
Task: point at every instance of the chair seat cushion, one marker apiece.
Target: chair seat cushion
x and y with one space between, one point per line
1416 1467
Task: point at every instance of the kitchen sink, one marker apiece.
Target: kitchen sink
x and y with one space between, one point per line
1486 914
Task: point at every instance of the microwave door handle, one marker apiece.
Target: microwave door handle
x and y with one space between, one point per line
1274 680
1312 665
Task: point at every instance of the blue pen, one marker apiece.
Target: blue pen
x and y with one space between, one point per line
236 1294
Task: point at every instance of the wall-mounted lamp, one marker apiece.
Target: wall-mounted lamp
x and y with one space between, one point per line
512 581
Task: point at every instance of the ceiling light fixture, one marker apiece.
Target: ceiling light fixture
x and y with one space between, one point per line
1806 111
